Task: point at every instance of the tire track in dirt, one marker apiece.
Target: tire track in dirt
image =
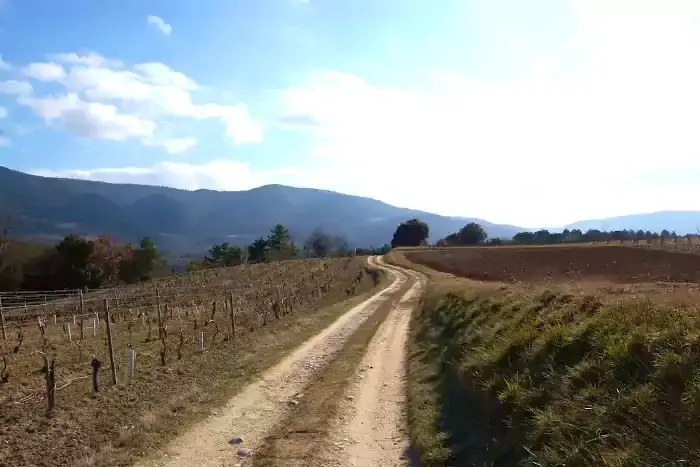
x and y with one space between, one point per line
253 412
370 430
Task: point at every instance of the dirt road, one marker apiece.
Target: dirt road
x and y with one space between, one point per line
370 428
255 411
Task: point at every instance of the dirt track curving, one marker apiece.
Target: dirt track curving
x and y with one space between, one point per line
252 413
370 428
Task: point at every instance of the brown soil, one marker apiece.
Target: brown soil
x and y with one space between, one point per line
612 264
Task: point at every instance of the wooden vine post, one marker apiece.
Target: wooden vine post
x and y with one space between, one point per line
82 316
160 321
96 364
108 322
233 323
2 321
50 382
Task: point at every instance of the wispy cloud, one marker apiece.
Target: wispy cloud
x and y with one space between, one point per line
20 88
160 24
45 71
106 99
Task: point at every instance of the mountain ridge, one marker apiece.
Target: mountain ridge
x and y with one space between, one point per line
189 221
184 220
682 221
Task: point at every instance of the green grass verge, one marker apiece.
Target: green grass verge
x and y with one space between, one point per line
511 378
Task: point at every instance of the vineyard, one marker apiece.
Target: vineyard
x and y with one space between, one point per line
100 372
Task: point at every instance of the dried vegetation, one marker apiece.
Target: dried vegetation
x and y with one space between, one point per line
196 338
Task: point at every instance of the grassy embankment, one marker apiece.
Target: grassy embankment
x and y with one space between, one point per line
499 376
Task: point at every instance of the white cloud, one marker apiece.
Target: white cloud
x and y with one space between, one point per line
159 24
157 89
553 145
240 127
20 88
174 145
604 125
4 66
222 174
45 71
4 141
89 59
137 97
89 119
162 75
3 112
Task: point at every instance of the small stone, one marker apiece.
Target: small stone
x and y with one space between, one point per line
293 402
236 440
244 452
350 398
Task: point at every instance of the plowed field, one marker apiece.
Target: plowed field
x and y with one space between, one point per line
615 264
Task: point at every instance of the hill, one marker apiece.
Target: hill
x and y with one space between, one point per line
683 222
182 221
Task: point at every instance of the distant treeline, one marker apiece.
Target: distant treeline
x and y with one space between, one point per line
79 262
415 232
543 237
76 263
279 245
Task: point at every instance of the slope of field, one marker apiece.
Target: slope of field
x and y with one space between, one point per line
531 374
190 356
614 264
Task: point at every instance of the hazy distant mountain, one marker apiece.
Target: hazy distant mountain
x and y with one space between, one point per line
190 221
683 222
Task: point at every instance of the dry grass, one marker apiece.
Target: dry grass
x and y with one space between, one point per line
533 374
135 416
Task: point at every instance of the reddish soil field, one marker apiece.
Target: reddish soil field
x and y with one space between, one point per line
616 264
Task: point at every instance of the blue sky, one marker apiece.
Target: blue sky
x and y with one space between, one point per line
531 113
